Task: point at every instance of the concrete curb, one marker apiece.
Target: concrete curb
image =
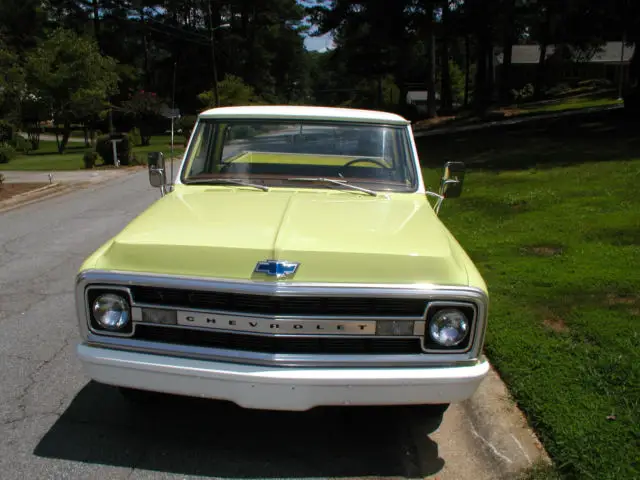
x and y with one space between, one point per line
509 442
59 188
33 196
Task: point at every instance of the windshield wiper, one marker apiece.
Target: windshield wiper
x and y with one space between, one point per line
343 183
230 181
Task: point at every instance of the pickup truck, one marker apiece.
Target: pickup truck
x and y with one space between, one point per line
296 260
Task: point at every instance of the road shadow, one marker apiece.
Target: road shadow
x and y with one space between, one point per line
189 436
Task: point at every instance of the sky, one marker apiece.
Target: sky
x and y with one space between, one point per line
320 44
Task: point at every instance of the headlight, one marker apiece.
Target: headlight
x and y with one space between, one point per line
111 312
449 327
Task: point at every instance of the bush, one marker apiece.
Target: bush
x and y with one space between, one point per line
20 143
7 152
134 137
104 148
90 159
6 131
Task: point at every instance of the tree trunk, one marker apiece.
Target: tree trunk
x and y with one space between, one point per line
467 69
66 133
96 22
509 38
145 46
431 68
541 70
446 96
480 92
634 69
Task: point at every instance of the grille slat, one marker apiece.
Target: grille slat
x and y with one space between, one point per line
266 344
272 305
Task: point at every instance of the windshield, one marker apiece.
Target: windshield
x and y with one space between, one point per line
290 154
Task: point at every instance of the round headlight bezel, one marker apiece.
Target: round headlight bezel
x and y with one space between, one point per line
121 300
435 311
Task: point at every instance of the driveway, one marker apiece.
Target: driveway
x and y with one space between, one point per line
54 423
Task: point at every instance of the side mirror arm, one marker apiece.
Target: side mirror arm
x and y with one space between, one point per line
438 202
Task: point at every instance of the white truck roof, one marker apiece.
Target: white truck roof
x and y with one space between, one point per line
290 112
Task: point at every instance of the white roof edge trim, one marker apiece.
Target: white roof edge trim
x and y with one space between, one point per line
287 112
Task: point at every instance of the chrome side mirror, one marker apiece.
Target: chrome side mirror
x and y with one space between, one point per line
157 175
452 179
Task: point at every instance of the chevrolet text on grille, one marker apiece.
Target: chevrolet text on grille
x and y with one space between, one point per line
277 326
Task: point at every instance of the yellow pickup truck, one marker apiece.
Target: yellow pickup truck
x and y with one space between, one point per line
296 260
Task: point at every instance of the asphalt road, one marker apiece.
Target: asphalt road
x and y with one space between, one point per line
54 423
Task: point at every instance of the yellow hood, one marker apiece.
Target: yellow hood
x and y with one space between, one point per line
335 236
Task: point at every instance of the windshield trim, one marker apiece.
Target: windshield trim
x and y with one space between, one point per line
414 170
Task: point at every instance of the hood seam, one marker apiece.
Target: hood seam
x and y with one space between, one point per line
274 248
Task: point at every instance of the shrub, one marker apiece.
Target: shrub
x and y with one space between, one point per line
104 148
134 137
90 159
20 143
6 131
7 152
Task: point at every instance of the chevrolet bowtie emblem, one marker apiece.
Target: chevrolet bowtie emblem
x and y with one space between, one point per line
276 268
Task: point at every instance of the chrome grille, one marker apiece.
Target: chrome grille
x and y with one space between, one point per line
278 305
274 344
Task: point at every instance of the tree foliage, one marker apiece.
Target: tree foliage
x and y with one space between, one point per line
232 91
71 59
145 108
72 76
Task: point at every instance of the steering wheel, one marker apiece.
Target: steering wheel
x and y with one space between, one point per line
363 159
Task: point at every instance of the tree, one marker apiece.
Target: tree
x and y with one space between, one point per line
446 93
11 83
145 108
232 91
21 23
69 73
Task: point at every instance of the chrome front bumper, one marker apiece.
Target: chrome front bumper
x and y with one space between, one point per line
282 388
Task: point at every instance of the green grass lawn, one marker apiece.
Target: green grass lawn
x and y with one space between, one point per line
48 158
559 247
